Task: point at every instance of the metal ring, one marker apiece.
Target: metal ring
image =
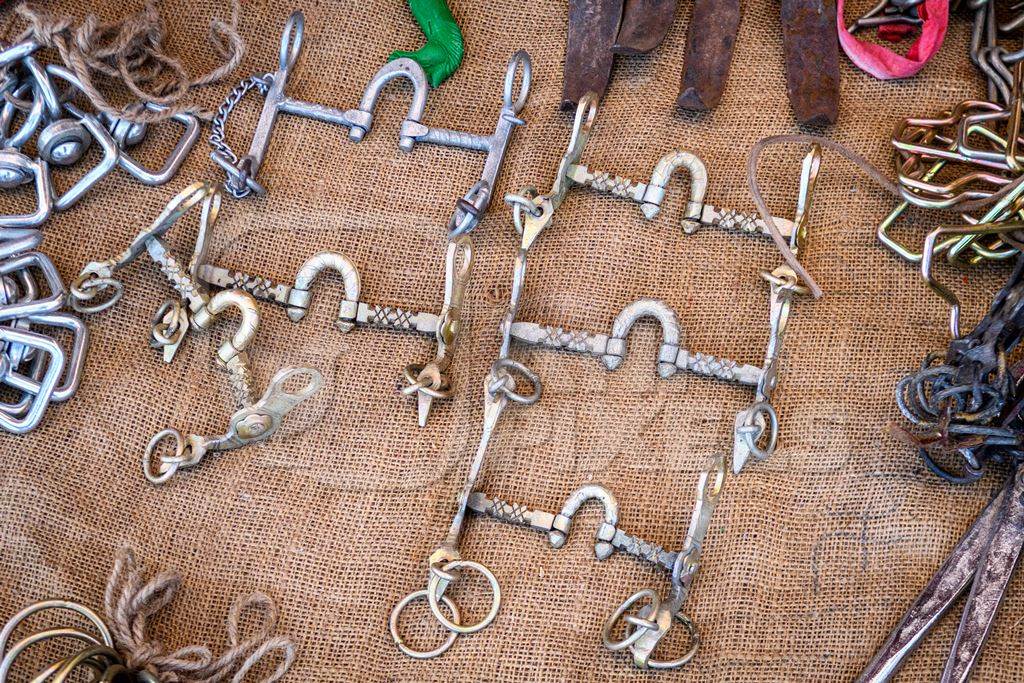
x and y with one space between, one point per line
520 58
969 475
412 375
433 596
172 463
290 48
509 364
169 333
747 431
420 654
690 654
81 291
10 656
609 624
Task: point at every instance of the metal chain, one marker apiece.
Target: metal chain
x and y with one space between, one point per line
217 139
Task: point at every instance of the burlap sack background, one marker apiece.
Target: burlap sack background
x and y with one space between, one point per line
813 555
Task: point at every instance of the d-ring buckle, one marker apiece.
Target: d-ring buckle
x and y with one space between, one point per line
435 593
423 654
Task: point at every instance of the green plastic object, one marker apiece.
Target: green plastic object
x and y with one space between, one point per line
442 54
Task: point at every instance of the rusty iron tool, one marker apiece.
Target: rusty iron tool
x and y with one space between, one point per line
811 46
644 25
709 47
593 28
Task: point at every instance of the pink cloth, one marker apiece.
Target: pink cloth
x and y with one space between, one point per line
883 63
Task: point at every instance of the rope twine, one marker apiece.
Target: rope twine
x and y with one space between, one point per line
131 601
131 52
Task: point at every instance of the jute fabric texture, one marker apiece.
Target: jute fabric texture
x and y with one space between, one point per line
813 555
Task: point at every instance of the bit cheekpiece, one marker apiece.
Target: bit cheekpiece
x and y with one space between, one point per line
255 420
511 381
425 382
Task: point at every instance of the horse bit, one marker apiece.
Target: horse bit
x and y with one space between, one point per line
428 381
254 420
33 362
511 381
258 420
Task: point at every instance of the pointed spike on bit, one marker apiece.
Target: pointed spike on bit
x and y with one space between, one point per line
424 403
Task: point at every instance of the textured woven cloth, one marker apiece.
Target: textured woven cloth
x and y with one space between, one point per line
812 556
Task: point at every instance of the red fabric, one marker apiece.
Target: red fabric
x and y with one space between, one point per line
883 63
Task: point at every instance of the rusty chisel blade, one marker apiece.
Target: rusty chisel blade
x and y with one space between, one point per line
709 46
644 25
593 26
811 45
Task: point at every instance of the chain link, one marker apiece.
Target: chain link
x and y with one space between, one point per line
217 140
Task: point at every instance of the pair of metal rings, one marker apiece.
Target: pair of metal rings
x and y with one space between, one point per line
440 578
643 624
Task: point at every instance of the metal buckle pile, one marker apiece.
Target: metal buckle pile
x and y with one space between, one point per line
37 113
35 368
995 61
970 401
968 154
425 382
62 135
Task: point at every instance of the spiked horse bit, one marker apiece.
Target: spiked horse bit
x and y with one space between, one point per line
255 420
428 381
511 381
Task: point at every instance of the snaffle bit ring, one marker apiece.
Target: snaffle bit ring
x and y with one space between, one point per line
691 629
168 465
423 654
435 593
520 62
88 286
647 622
751 430
505 382
642 624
